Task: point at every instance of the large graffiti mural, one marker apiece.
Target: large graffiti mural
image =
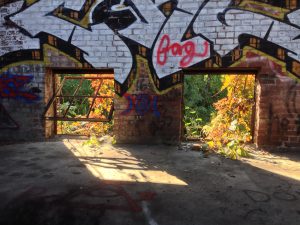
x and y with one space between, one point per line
171 35
150 45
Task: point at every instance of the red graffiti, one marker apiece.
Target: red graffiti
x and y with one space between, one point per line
187 51
12 86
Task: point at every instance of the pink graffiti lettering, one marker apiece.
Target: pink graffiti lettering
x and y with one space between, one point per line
187 51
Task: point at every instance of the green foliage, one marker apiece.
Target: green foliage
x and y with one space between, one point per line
64 106
70 85
193 122
219 108
200 92
92 142
234 149
80 106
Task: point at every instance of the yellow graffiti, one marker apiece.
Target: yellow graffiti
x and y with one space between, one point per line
48 62
73 17
143 68
248 49
296 67
30 2
28 62
264 8
142 61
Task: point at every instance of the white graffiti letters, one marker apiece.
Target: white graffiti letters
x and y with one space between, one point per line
176 34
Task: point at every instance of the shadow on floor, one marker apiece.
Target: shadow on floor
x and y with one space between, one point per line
61 183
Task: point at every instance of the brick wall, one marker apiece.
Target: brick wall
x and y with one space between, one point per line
21 118
278 107
151 42
145 115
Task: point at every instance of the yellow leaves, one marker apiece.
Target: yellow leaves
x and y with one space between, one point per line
211 144
102 106
100 110
232 121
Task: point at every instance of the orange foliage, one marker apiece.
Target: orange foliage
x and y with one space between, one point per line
102 106
102 109
232 120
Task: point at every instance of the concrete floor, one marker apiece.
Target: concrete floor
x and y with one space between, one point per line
66 183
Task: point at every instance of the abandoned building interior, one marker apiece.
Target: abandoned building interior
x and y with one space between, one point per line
75 68
148 48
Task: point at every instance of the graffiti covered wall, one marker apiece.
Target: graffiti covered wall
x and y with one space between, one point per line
21 105
155 40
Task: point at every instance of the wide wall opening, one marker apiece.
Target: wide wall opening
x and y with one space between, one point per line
219 109
81 103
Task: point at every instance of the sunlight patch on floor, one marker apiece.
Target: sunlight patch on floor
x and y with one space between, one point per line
275 169
110 164
275 164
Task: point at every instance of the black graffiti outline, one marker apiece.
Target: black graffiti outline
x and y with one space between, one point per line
232 6
162 83
189 29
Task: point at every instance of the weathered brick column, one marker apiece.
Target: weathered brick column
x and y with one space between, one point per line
144 115
277 112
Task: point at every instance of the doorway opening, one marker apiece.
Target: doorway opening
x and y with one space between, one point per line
81 103
219 108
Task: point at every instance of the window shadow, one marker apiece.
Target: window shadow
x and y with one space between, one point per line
66 183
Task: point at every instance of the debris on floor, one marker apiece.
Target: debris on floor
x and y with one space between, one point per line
68 183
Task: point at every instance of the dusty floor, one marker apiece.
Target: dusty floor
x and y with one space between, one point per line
66 183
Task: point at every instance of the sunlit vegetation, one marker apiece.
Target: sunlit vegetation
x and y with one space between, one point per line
219 110
200 92
81 107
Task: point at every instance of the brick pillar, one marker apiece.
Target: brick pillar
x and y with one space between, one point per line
144 115
277 112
